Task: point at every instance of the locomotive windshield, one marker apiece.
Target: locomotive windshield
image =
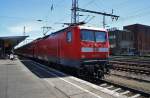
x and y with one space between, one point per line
96 36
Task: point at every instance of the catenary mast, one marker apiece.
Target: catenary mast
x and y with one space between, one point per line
75 14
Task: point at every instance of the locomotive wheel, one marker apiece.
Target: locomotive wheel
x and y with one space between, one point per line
101 74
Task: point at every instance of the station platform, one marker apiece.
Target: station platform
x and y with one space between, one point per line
16 81
28 79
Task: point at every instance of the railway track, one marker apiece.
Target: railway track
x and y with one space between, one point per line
133 67
122 89
133 63
115 88
134 70
131 59
146 62
125 90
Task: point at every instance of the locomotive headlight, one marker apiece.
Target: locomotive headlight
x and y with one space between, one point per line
82 56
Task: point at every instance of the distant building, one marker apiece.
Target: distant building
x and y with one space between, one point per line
141 37
133 39
121 42
1 48
8 43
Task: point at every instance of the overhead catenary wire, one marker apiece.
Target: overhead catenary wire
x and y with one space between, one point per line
93 2
120 4
52 9
139 15
133 14
18 18
139 10
63 17
89 3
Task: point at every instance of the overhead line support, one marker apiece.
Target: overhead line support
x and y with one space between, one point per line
95 12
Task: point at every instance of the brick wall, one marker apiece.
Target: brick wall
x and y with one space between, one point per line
141 37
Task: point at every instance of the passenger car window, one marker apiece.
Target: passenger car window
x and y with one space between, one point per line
69 36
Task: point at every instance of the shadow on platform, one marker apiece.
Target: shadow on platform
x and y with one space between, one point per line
41 71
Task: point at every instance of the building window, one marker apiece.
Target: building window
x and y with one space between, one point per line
69 36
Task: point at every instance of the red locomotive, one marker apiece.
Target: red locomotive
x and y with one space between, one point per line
85 49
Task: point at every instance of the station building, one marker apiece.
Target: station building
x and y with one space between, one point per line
8 43
121 42
141 37
133 39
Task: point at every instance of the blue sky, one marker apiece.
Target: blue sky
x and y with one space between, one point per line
15 14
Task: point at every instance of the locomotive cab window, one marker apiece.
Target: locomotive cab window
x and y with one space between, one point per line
87 35
100 36
69 36
91 35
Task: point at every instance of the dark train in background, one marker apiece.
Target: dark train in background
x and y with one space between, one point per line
83 49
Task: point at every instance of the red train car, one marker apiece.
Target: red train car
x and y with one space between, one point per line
85 49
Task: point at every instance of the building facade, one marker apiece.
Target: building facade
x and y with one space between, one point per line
133 39
1 48
121 42
141 37
8 43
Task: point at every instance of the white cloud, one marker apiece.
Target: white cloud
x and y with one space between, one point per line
30 28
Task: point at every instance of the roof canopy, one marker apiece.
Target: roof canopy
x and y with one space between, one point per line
13 40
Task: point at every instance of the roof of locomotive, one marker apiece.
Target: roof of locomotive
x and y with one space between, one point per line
92 28
80 27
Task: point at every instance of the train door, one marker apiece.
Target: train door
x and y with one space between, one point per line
69 44
65 47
